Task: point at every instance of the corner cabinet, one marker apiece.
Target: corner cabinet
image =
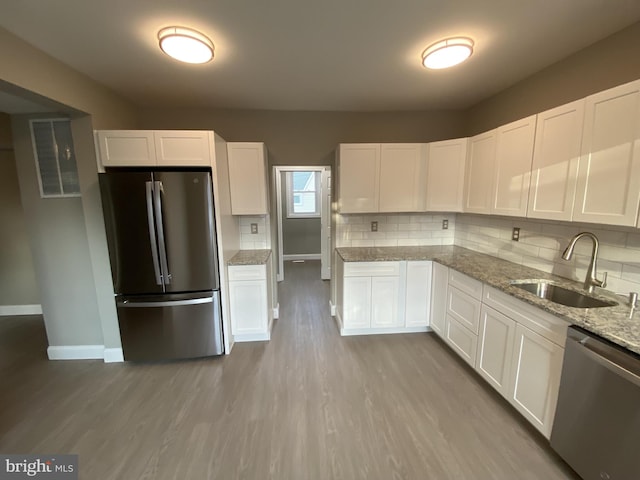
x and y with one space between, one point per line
383 297
608 188
445 175
248 176
479 173
154 148
358 177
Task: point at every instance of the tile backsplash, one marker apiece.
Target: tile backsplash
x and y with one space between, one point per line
394 230
253 241
542 243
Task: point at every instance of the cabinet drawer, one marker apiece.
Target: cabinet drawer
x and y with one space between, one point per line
247 272
543 323
465 309
467 284
371 269
463 341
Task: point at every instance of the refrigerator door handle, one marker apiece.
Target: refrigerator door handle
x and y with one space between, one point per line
166 303
152 233
157 192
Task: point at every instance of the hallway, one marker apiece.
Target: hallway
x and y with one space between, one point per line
306 405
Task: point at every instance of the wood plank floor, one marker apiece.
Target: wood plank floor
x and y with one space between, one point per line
307 405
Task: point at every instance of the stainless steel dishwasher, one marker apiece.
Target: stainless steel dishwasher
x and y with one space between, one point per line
597 424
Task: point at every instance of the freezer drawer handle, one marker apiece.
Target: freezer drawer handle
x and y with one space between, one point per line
170 303
606 363
157 192
152 233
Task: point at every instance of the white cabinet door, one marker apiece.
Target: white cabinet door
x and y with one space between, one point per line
535 378
418 294
445 175
463 341
402 167
479 173
384 302
248 178
357 302
248 307
440 281
495 348
556 154
514 153
126 148
182 148
358 177
608 189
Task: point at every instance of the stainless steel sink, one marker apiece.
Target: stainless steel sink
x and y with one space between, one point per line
562 295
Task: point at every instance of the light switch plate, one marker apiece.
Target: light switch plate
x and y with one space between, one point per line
254 228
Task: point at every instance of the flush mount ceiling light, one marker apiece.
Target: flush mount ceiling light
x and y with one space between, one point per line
185 45
447 53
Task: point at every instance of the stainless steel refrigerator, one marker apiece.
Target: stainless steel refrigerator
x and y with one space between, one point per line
162 246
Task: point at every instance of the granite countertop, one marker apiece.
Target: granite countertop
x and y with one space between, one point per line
250 257
618 324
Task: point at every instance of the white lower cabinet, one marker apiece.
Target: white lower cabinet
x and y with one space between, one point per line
462 340
439 284
535 378
495 348
383 297
249 302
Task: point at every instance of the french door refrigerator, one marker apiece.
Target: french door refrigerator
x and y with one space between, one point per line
162 246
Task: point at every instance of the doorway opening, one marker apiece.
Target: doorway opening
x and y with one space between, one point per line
303 214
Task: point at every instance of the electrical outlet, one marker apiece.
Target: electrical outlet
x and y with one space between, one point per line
515 235
254 228
445 224
374 226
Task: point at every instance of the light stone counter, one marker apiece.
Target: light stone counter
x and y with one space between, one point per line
250 257
617 324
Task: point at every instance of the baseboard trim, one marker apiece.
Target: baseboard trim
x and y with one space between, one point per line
113 355
15 310
302 256
346 332
253 337
76 352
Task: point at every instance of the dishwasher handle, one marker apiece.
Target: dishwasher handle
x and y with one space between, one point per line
601 354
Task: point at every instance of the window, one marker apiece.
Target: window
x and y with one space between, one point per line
303 194
55 158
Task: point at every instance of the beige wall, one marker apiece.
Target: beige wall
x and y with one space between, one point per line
605 64
17 275
80 310
309 138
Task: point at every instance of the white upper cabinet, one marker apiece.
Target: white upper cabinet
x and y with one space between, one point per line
608 188
126 148
445 175
556 154
480 172
148 148
358 177
401 177
514 153
248 178
175 147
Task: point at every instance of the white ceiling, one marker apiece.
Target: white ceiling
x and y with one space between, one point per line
357 55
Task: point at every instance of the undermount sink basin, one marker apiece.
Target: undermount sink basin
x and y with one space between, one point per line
561 295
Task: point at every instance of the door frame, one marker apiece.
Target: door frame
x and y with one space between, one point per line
325 215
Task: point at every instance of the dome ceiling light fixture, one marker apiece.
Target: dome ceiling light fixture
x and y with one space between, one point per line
447 53
185 45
